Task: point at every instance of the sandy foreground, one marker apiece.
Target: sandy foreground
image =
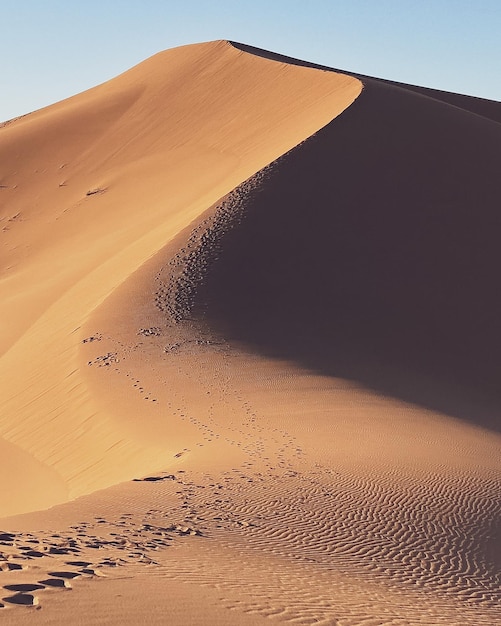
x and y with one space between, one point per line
249 350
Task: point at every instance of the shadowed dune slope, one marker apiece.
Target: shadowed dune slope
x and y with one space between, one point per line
91 188
372 252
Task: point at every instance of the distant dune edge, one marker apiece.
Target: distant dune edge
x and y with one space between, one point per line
250 348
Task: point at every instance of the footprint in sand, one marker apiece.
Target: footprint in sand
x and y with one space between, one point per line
9 567
142 540
21 599
34 554
59 583
65 574
93 571
23 588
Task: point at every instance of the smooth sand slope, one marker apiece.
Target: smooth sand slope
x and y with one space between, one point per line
91 188
268 290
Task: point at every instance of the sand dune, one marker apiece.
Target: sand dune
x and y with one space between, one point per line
265 290
97 185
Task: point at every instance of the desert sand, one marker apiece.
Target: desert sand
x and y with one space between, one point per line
250 349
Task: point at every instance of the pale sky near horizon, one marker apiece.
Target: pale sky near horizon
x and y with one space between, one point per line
51 49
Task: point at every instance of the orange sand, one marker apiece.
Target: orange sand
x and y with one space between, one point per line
269 288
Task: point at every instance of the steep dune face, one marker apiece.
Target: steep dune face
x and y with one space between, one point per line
91 188
372 251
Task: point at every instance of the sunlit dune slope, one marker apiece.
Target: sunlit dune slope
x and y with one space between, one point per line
90 189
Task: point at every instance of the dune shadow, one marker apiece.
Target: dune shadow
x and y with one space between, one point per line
371 252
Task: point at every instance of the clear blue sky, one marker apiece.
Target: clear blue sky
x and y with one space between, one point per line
51 49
